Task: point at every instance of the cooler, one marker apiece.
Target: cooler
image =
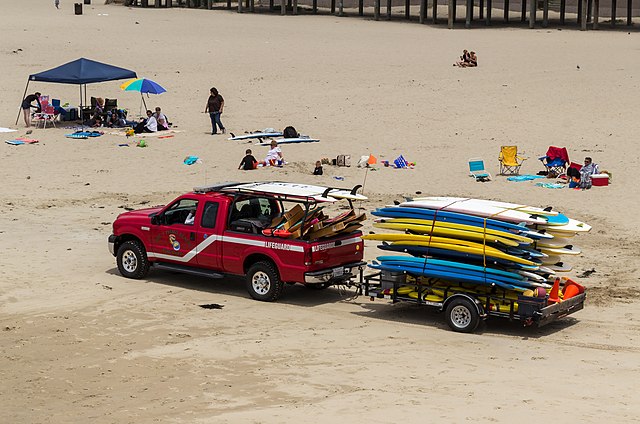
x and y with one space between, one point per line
600 180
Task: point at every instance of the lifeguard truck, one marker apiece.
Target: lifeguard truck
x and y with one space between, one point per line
270 232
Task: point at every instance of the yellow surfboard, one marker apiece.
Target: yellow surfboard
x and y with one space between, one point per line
449 232
444 224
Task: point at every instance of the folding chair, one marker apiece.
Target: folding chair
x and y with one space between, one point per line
510 162
477 171
555 161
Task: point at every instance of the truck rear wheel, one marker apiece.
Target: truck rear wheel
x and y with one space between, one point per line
462 316
263 282
132 260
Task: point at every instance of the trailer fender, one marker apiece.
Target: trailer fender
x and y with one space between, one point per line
471 299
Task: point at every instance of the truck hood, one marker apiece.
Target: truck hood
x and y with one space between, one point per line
140 214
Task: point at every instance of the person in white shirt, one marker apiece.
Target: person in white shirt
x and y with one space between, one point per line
161 118
149 125
274 155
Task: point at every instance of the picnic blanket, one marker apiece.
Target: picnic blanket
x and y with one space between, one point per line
84 134
551 185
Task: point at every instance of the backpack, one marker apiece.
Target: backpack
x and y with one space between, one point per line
290 132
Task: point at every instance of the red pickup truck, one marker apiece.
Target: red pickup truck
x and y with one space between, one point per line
219 230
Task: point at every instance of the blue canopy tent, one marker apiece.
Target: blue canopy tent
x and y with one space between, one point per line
82 72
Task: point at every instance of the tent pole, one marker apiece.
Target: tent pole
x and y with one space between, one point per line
23 96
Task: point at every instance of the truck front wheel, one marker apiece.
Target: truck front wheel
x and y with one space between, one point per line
263 282
132 260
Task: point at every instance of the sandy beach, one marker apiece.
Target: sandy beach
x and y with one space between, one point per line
80 343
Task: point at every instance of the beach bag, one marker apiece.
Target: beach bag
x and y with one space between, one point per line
290 132
343 160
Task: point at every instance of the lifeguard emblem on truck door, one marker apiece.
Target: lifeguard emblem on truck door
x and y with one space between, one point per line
174 243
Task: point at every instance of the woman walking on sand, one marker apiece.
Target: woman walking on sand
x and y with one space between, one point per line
215 104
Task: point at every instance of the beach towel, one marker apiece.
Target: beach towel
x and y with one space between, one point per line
550 185
14 142
524 177
4 130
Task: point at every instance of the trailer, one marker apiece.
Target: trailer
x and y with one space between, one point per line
463 306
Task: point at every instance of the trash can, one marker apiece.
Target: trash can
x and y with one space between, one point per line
78 8
87 1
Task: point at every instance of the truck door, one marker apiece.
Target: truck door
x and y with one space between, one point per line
173 239
209 244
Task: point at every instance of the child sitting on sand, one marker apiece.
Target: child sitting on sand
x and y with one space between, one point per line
248 162
318 170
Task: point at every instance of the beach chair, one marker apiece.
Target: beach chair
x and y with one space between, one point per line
510 162
555 161
477 171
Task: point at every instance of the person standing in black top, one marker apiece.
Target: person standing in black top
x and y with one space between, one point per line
248 162
26 107
215 104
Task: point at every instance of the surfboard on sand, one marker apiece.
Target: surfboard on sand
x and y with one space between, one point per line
289 141
255 135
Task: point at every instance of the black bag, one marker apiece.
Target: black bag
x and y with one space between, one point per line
290 132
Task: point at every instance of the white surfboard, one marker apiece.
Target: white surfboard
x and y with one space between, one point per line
574 226
476 207
308 190
256 135
288 141
496 203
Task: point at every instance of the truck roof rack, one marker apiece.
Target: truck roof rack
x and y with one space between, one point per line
213 187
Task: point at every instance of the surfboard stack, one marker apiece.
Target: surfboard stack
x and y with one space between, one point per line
293 224
475 244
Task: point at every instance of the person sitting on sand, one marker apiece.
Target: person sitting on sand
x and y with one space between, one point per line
248 162
586 172
318 169
463 59
274 156
149 125
468 61
163 121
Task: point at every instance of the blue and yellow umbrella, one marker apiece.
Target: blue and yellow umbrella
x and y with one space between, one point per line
143 85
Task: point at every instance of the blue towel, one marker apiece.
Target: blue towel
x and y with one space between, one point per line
524 177
190 160
550 185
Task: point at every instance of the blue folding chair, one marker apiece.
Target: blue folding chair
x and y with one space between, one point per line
477 171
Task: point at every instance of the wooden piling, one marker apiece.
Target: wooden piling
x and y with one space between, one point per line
481 11
283 7
545 14
333 7
523 12
467 21
563 10
532 14
340 7
455 9
295 6
614 6
583 16
596 13
388 10
407 9
451 13
209 4
360 7
435 11
579 17
376 10
488 15
506 10
423 9
629 12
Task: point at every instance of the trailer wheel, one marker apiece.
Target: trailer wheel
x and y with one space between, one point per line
462 316
263 282
132 260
